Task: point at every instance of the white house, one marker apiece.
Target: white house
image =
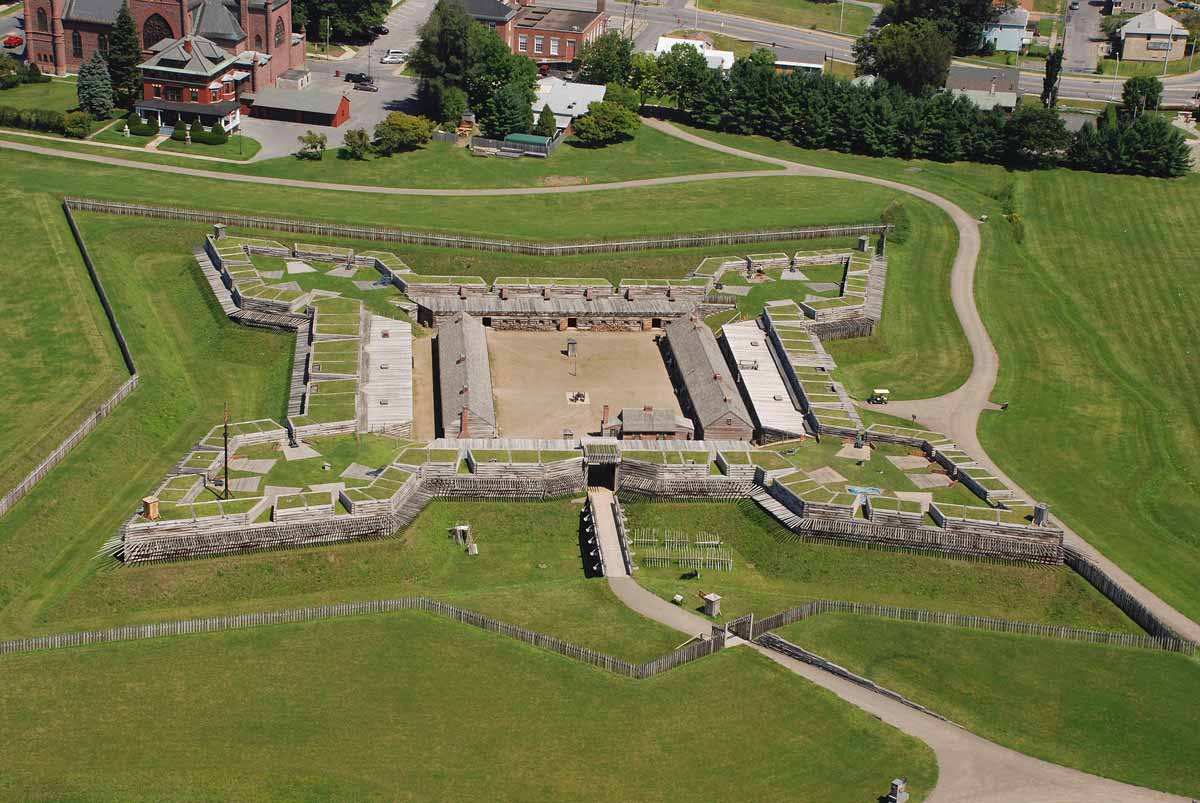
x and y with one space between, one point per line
717 59
1009 33
567 99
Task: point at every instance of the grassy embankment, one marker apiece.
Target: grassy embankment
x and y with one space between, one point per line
410 707
650 154
1120 713
801 13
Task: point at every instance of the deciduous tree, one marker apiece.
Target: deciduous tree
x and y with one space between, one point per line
682 71
913 55
606 59
606 122
402 132
357 144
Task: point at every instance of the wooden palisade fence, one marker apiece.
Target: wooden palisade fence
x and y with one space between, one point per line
749 628
214 624
383 234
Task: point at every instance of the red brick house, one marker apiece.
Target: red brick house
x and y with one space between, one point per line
63 34
192 78
543 33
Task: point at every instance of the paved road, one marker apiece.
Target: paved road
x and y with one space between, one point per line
970 768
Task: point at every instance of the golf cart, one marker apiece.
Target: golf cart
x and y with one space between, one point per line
879 396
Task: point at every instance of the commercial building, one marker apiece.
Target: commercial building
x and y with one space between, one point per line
1153 36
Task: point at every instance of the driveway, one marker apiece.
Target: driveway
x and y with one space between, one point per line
366 110
1080 50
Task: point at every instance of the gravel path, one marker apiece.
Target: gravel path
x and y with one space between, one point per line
970 768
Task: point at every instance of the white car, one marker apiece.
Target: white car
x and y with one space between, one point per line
393 58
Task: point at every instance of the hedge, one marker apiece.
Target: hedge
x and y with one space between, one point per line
139 129
33 119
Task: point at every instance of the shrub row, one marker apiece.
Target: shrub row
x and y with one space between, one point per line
215 136
33 119
138 128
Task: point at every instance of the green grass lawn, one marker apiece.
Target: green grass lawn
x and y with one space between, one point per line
649 154
1122 713
801 13
1104 421
56 95
677 208
1131 69
60 360
773 572
236 147
411 707
113 135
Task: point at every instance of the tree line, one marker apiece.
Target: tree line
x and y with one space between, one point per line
882 118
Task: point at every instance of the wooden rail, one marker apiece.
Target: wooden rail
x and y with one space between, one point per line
216 624
751 629
466 242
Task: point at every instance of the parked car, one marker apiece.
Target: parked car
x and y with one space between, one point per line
393 58
357 77
1074 6
366 86
379 30
12 40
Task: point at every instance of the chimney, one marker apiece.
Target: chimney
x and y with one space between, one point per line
187 44
648 408
464 423
600 6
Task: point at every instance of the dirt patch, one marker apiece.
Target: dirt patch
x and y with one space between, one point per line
563 181
532 377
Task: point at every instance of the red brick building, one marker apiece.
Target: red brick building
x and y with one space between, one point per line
543 33
192 78
63 34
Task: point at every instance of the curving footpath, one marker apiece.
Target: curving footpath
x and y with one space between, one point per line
971 768
956 413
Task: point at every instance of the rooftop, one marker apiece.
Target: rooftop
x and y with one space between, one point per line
566 99
642 419
541 18
983 79
302 100
490 10
1018 17
1154 22
189 55
717 59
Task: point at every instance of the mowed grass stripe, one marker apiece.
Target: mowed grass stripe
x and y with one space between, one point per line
410 707
59 356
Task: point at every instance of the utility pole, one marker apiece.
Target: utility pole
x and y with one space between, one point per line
1167 52
1116 77
225 418
842 16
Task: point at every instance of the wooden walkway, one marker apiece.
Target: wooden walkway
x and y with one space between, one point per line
601 502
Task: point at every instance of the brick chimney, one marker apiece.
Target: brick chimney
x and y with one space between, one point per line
187 45
649 408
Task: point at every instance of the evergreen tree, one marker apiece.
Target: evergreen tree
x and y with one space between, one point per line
508 111
546 126
914 55
124 55
441 56
94 88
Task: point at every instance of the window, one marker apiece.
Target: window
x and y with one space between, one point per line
523 43
154 30
571 49
42 23
158 90
539 44
279 32
554 46
103 40
174 93
194 95
76 45
258 42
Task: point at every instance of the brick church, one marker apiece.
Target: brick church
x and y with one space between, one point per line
257 35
